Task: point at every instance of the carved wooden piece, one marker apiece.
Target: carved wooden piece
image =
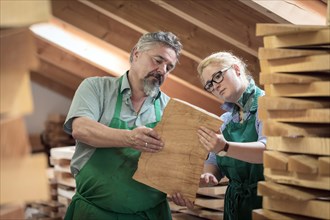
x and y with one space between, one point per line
178 166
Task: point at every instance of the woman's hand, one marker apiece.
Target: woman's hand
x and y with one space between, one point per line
145 139
212 141
178 199
208 179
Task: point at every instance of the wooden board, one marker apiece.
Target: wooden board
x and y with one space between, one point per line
213 191
314 89
24 179
319 62
285 29
24 13
276 53
264 214
281 103
197 211
177 168
304 145
313 208
283 78
275 128
295 40
314 181
286 192
306 115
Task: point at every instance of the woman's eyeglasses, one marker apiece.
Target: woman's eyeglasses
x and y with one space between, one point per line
217 78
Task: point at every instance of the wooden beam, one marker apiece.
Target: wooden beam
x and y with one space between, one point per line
198 43
276 160
228 12
277 53
264 214
303 164
278 78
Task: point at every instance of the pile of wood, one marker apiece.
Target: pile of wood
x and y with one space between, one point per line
60 158
295 71
209 204
54 135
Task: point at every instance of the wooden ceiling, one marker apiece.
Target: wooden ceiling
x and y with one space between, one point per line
204 27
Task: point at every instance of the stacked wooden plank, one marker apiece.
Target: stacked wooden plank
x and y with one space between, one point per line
209 203
295 71
60 158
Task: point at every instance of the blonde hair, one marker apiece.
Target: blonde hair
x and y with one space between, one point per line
225 59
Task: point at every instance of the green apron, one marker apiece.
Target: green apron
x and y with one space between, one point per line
241 195
105 188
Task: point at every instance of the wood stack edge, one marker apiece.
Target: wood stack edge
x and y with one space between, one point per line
295 71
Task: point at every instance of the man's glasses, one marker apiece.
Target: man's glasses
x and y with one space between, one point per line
217 78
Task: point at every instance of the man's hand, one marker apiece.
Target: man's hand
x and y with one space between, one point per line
145 139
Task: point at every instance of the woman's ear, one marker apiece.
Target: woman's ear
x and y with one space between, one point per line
237 69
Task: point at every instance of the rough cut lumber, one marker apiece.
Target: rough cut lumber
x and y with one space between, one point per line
274 128
286 192
280 78
178 166
303 145
276 160
313 208
275 53
306 116
285 29
23 13
17 57
303 164
24 179
14 141
324 166
197 211
281 103
210 203
320 62
314 181
313 89
264 214
315 38
214 191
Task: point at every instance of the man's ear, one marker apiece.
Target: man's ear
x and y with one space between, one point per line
135 53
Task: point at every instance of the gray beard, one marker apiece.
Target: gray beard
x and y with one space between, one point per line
150 88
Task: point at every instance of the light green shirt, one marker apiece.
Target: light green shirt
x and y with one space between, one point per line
96 99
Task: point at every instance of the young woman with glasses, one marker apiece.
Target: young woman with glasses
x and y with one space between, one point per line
236 151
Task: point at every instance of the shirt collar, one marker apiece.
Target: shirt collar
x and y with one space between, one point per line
247 100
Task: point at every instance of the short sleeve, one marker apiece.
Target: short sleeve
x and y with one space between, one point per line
86 103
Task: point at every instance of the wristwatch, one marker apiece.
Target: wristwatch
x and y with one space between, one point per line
223 152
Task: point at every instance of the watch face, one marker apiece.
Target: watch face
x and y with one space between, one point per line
222 153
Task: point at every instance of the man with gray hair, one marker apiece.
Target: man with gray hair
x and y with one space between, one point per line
111 120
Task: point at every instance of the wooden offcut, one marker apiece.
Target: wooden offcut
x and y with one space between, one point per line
177 168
